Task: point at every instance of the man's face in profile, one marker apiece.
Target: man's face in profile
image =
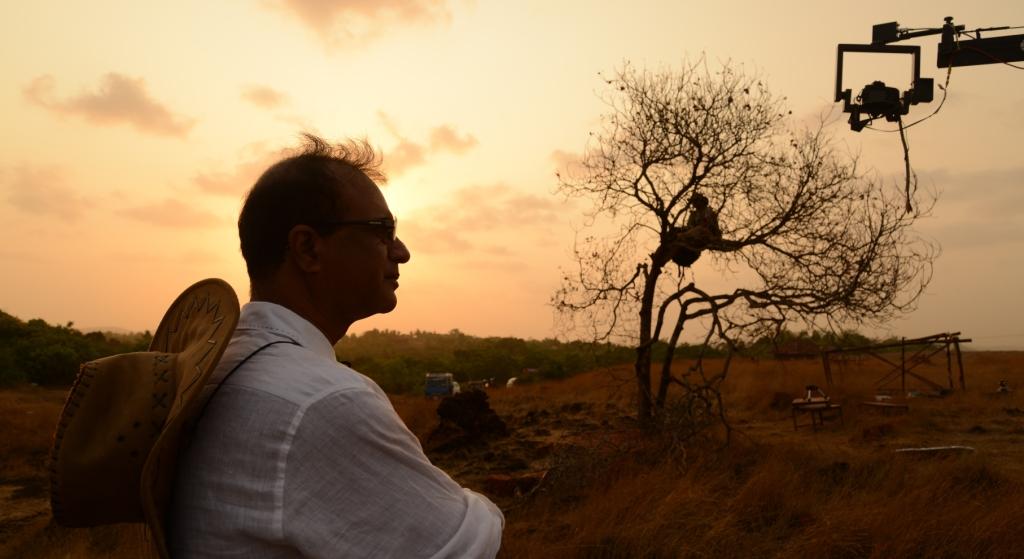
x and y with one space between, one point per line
359 272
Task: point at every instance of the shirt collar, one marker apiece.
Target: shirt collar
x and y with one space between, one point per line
261 315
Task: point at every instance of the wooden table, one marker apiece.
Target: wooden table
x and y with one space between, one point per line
820 410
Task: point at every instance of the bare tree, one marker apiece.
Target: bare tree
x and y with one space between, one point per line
804 234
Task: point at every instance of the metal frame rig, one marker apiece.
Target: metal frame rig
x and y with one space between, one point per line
877 100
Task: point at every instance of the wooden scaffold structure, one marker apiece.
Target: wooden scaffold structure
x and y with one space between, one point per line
921 352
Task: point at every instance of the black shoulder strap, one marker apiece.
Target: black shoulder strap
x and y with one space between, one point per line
231 372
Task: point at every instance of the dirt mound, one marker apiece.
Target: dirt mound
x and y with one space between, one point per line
466 419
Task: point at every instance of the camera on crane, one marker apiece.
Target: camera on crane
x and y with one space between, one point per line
878 100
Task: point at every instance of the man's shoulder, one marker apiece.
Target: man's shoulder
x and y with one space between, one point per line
283 369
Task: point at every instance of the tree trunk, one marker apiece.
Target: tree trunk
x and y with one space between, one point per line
645 408
666 366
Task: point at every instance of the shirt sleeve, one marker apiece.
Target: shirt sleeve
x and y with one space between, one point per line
357 484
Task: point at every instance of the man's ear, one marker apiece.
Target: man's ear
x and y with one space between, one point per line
305 247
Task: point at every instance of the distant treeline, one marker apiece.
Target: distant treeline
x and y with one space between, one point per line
788 343
36 352
399 361
806 344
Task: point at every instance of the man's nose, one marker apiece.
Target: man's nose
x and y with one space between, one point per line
399 252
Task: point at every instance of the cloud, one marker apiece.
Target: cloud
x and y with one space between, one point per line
432 239
475 213
992 192
119 99
444 138
41 191
486 207
964 234
264 97
173 214
339 22
238 180
977 208
404 156
408 154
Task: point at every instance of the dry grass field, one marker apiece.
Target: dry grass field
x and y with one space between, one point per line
610 491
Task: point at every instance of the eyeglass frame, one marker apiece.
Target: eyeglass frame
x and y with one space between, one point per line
384 223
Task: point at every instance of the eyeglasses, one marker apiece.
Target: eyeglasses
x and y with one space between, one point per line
388 225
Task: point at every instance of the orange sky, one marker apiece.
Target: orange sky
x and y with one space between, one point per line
132 130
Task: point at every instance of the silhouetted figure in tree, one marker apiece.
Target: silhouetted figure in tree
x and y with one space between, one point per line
700 230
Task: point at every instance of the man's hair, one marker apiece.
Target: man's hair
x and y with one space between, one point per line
300 189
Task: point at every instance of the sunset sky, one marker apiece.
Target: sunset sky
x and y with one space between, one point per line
131 131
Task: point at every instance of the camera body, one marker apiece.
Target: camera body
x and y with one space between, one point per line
878 100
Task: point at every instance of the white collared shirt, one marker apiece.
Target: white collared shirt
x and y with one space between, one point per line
297 455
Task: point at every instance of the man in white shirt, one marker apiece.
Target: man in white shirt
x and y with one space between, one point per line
297 455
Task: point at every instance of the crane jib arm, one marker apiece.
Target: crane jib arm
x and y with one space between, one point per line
990 50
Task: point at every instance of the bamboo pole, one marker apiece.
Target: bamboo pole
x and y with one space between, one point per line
949 365
960 364
903 366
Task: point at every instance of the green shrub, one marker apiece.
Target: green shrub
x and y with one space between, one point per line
34 351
